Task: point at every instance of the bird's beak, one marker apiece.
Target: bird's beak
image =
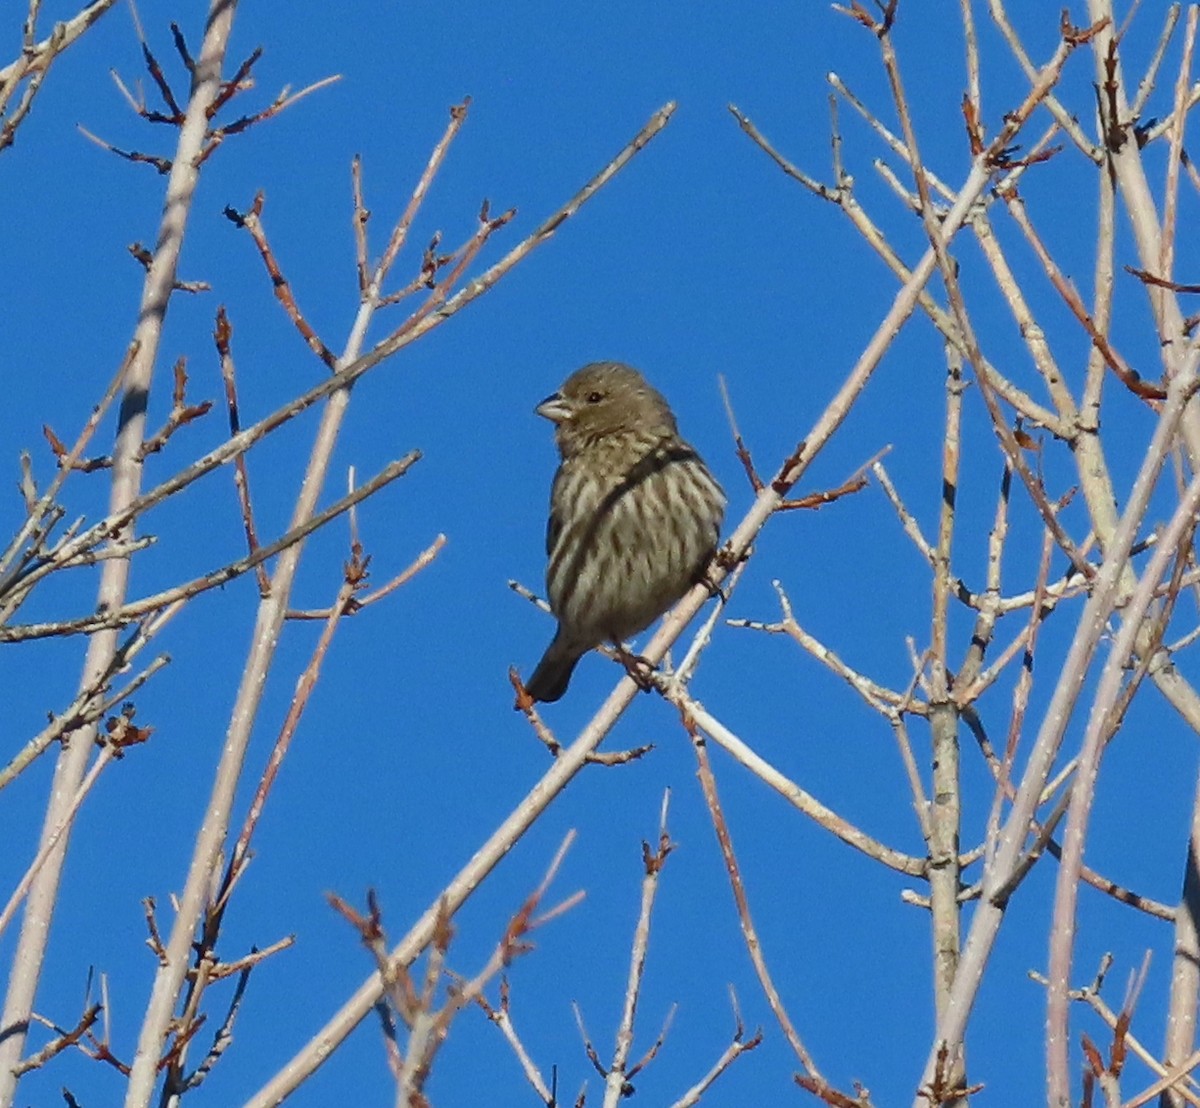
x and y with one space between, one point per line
554 408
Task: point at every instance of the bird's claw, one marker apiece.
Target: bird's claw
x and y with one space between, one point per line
640 670
722 562
713 586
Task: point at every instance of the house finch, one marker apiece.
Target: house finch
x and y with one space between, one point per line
634 516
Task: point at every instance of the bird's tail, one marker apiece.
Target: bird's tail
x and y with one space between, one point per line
553 673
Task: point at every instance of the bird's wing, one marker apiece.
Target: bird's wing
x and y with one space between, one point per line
554 523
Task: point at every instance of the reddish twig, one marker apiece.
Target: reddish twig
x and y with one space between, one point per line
181 413
241 477
252 222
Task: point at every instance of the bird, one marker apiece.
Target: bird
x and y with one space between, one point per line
635 516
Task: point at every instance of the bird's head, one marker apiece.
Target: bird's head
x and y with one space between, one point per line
603 399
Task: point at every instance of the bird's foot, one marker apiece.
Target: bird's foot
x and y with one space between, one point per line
721 563
640 669
708 580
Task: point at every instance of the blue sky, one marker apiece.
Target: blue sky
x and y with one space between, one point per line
700 259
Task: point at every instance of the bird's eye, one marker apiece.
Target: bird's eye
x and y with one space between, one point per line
595 397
